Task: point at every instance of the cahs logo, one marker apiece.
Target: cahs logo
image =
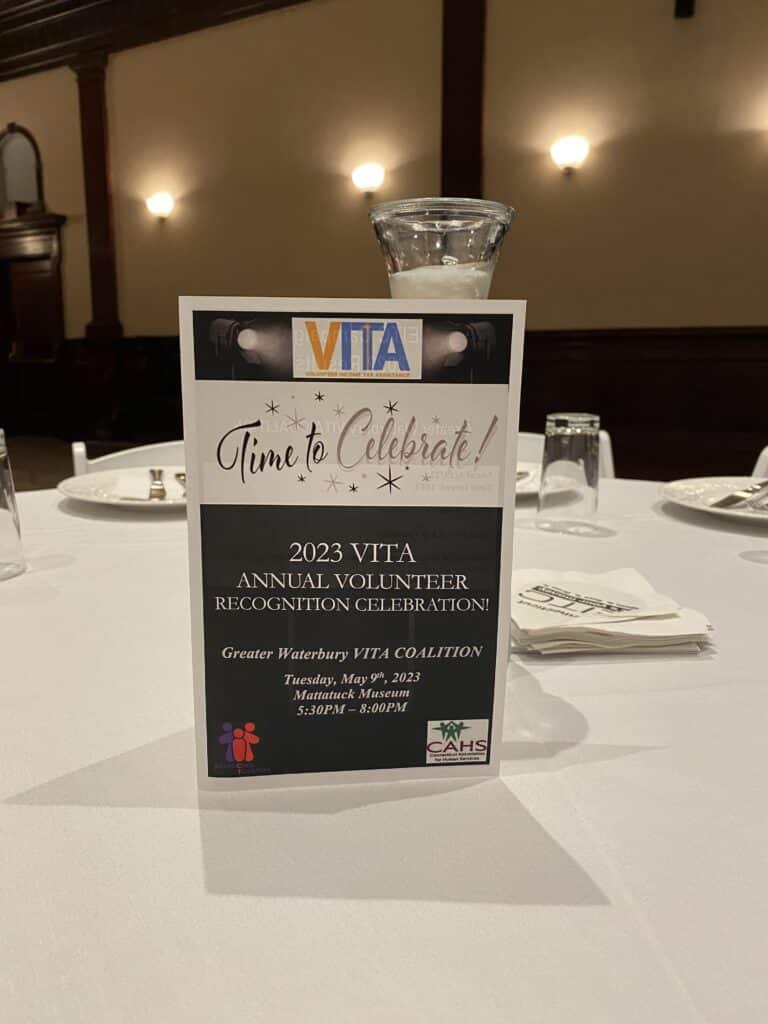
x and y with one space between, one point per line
239 742
346 347
451 730
457 742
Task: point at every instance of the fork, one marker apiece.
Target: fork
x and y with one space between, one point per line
156 486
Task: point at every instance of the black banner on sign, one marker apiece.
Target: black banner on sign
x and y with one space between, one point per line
350 485
349 636
258 346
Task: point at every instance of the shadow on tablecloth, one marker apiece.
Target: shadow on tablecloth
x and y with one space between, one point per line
449 840
457 841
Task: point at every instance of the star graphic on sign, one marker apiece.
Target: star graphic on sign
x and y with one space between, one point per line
339 410
391 408
435 419
353 488
319 396
301 478
296 421
271 407
333 483
426 478
389 481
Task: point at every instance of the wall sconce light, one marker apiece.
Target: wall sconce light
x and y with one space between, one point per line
368 177
160 205
570 152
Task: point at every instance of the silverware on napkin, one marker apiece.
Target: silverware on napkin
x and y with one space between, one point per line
156 486
755 491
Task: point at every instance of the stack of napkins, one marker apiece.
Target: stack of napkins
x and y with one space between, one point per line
610 612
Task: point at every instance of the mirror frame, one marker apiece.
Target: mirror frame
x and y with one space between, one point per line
13 128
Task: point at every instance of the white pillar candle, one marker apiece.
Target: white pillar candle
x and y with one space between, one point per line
456 281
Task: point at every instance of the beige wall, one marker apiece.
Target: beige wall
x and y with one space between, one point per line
667 222
47 105
254 127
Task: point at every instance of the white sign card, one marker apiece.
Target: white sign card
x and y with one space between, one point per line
351 476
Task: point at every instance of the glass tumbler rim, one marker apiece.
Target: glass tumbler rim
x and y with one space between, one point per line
445 207
573 421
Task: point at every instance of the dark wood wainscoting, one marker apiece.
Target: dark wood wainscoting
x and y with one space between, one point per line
679 402
111 392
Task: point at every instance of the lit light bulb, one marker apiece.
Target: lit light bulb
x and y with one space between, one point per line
457 341
160 204
249 343
368 177
569 152
248 339
457 346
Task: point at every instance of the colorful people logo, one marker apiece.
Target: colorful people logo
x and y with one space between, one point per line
239 742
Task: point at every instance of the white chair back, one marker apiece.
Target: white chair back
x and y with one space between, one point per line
761 466
170 453
530 448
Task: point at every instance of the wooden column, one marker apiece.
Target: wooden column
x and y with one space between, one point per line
463 75
105 324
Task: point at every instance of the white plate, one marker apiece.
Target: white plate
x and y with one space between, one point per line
128 488
699 493
530 483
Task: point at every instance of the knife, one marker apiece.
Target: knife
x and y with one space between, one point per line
759 489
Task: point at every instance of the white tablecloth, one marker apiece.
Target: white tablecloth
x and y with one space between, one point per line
616 874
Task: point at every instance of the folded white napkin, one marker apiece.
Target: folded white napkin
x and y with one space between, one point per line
133 483
571 612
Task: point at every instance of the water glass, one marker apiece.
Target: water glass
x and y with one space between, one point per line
11 554
569 471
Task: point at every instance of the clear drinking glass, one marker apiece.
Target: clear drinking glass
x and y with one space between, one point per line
569 471
11 554
440 248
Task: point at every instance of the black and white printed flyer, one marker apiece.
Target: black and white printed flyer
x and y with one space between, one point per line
351 477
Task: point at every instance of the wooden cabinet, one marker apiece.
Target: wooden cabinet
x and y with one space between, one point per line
31 307
32 313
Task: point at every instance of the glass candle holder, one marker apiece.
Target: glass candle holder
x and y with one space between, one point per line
440 248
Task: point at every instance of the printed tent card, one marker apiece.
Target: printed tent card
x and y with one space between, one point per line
350 487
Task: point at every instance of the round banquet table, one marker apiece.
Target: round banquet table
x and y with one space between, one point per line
614 874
